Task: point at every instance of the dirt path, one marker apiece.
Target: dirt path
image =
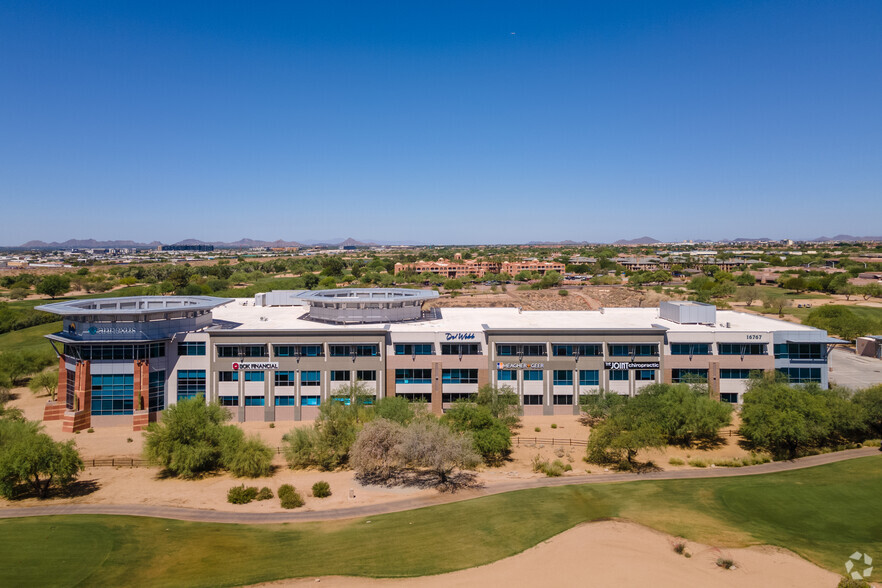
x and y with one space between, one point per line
213 516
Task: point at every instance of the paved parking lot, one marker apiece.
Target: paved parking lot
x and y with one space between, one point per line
854 371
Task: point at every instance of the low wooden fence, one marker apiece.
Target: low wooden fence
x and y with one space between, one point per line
112 462
540 441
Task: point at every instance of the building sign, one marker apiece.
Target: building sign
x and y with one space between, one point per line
256 365
630 365
459 336
519 366
111 330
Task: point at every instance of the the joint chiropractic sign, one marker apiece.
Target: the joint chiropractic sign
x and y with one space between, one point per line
256 365
630 365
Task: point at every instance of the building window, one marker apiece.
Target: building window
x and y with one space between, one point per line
413 349
589 378
532 399
734 374
644 375
228 376
255 401
408 376
228 400
253 376
356 350
241 351
156 391
416 397
581 350
506 375
459 376
633 350
310 378
286 401
339 375
460 349
156 349
285 350
690 348
366 375
310 400
285 379
533 375
297 350
800 351
521 349
563 378
70 389
455 396
689 376
618 376
191 348
802 375
113 394
191 383
563 399
742 348
730 397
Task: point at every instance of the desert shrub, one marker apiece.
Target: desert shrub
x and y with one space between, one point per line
725 562
326 445
676 461
376 452
241 494
559 452
680 548
264 494
321 489
502 402
873 443
252 458
698 463
288 497
563 292
852 583
433 446
553 469
395 408
538 429
553 426
491 438
90 430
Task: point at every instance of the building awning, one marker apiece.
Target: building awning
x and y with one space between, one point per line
826 341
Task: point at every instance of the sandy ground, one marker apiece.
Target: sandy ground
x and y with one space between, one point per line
616 553
145 485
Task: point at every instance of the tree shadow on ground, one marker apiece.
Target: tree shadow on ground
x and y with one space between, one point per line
422 479
80 488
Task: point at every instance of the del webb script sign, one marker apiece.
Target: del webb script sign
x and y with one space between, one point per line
630 365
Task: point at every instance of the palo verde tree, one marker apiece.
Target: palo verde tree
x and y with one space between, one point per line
31 459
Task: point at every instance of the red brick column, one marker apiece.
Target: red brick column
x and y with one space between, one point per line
77 420
142 385
54 410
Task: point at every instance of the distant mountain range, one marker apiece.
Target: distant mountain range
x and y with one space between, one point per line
350 242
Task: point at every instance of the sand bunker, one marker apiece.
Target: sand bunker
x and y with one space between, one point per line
617 553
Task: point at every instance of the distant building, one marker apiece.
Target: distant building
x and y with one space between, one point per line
201 247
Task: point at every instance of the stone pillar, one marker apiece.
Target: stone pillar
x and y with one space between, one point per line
81 416
54 409
390 383
437 388
713 379
269 393
667 375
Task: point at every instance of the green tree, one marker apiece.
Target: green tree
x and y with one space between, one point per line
427 444
746 278
396 409
31 458
53 286
618 438
502 402
327 443
491 438
870 399
192 439
44 381
839 320
453 284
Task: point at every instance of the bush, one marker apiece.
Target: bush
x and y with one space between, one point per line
554 469
32 458
852 583
538 429
326 445
676 461
321 489
241 494
376 452
264 494
252 458
872 443
491 438
553 426
698 463
680 548
288 497
563 292
725 562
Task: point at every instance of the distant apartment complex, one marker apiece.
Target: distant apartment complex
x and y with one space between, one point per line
460 268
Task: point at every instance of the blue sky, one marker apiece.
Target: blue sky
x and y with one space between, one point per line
447 122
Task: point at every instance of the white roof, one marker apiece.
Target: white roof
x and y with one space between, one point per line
241 314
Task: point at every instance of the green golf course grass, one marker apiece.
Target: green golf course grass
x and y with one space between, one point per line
823 513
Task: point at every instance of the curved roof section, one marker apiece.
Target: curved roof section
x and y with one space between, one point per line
133 305
368 295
